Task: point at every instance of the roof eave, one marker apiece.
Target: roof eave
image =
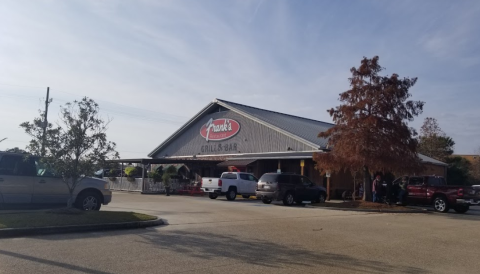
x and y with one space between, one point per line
184 127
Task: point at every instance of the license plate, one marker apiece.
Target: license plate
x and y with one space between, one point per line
307 202
266 187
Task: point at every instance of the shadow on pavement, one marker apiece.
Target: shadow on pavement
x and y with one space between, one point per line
65 266
263 253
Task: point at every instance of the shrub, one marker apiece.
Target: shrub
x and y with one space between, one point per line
131 171
155 175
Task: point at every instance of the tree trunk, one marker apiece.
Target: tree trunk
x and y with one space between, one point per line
70 200
367 185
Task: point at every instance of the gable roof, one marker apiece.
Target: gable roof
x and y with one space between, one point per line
302 129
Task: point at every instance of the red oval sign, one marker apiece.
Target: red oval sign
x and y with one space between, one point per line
219 129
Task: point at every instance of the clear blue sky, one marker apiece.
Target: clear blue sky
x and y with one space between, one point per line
152 65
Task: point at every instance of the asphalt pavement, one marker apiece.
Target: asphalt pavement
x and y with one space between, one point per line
246 236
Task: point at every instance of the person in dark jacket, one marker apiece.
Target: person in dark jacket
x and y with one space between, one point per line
376 189
388 197
402 194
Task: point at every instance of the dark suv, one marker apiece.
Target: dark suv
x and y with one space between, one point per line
289 188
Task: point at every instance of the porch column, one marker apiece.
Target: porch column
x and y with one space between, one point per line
143 177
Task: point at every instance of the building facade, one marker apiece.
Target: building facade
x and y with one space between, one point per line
244 138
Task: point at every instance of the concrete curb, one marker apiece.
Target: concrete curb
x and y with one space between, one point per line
370 210
31 231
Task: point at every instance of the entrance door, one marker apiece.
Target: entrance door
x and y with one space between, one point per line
16 179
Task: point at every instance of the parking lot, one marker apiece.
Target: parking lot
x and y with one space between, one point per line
218 236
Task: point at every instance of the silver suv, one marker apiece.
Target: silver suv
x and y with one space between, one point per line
23 181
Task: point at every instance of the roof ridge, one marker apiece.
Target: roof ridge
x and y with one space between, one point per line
303 118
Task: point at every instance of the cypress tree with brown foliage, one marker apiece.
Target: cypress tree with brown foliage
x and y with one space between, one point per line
371 129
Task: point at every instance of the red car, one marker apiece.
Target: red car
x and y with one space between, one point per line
433 190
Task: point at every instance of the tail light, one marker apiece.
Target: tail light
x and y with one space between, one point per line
220 183
460 192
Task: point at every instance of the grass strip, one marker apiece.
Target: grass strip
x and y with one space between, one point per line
62 218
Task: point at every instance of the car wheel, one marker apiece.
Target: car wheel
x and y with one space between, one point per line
440 204
88 201
461 208
212 195
321 198
231 194
246 196
288 199
267 201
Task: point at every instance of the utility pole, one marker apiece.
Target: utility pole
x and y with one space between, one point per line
45 121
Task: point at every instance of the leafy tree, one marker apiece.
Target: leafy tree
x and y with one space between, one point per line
167 174
371 131
458 172
76 146
475 169
16 150
433 142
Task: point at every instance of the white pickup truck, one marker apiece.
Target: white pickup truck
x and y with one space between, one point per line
230 184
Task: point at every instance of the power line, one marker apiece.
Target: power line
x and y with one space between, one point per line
172 119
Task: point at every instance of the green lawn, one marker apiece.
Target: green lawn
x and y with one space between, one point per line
58 218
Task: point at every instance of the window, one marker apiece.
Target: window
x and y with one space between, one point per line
306 181
398 181
435 181
17 165
284 179
416 181
269 178
229 176
243 176
297 180
42 170
252 178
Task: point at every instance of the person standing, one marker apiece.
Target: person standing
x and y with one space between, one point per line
389 193
166 184
376 188
403 191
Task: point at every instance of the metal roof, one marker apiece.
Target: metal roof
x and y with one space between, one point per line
236 163
271 156
302 128
430 160
164 160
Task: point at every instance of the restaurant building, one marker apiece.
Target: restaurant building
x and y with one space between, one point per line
226 136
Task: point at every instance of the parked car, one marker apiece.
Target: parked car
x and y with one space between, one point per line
288 188
230 184
24 181
433 190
